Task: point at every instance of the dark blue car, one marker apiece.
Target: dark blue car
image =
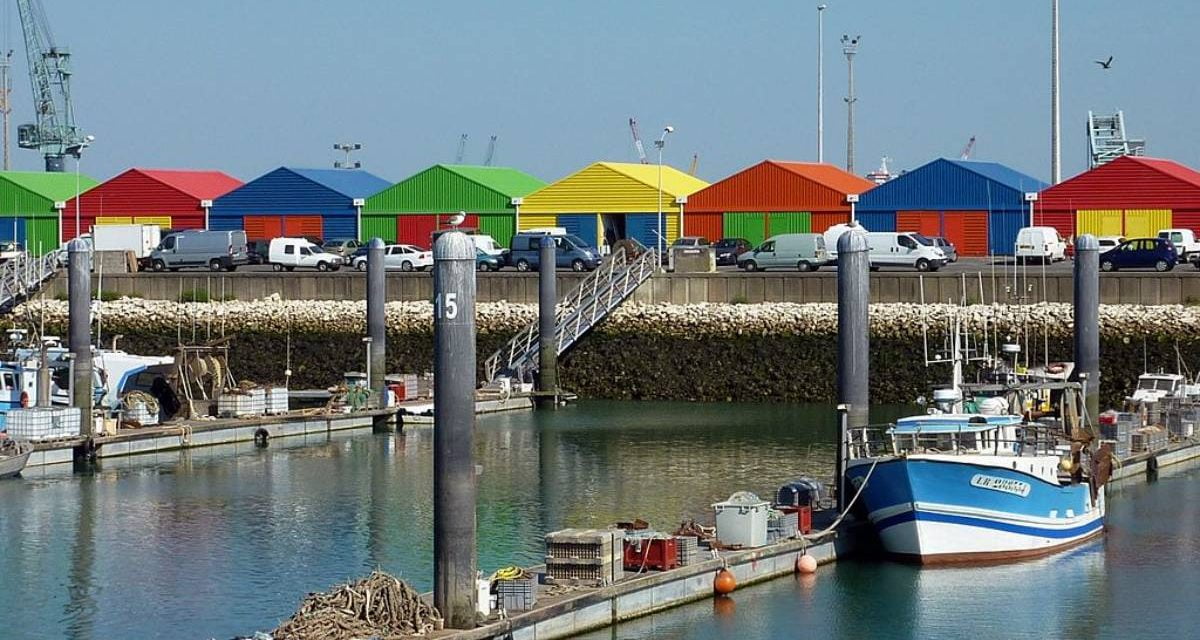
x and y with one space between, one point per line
1140 253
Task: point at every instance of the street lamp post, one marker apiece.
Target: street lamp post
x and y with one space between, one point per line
1031 197
821 83
77 151
852 200
850 48
659 144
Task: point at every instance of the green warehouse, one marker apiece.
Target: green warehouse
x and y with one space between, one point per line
30 206
412 209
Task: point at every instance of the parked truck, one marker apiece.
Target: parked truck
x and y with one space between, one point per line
1186 245
141 239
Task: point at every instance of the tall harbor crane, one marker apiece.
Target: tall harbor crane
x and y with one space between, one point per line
462 149
966 152
55 133
491 152
637 141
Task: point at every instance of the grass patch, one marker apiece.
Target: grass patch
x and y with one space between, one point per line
203 295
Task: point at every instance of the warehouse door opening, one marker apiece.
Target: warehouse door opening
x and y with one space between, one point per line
614 228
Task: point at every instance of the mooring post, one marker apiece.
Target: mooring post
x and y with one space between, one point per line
376 319
843 418
79 300
547 323
454 429
1087 319
854 344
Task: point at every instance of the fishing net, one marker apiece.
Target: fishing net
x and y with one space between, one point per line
378 606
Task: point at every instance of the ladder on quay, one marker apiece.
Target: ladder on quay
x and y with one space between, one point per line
583 308
23 275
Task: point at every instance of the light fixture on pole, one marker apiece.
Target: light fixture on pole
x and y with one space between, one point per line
1031 197
852 199
659 144
347 148
850 48
821 82
77 151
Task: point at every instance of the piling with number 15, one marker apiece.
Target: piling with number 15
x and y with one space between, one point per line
454 429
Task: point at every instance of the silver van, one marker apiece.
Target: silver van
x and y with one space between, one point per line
214 250
803 251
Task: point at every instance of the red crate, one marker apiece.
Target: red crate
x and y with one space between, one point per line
652 553
803 516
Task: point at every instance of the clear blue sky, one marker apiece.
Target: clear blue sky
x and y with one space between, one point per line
248 85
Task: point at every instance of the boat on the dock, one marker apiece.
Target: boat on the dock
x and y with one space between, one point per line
13 456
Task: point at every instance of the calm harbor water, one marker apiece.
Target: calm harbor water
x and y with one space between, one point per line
221 542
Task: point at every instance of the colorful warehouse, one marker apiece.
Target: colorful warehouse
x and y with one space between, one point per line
978 206
1130 196
170 198
31 204
771 198
318 203
607 201
412 209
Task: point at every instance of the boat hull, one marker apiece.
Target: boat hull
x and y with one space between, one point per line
947 510
11 465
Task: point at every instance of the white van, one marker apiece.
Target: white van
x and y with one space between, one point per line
802 251
289 253
1040 243
831 236
904 249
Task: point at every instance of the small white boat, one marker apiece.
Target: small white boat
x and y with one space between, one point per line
13 456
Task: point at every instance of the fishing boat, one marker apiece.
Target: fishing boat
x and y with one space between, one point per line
974 481
13 456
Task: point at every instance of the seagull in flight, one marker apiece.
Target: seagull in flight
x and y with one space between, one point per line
1107 64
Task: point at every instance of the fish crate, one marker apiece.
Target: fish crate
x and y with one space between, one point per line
1182 421
687 550
517 595
137 413
588 557
782 526
276 401
42 423
651 552
803 518
236 403
1148 439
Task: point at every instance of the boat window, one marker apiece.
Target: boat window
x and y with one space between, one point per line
1146 383
6 381
1166 385
61 377
967 441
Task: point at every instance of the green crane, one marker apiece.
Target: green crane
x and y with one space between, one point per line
55 133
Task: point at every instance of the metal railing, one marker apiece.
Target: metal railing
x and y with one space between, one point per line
583 308
1031 440
25 274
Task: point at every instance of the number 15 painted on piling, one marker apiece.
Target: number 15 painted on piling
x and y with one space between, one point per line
447 309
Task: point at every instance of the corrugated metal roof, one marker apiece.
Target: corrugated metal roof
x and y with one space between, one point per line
200 184
1126 183
613 187
353 183
503 180
56 187
1006 176
828 175
957 185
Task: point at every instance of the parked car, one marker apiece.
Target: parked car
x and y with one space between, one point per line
891 249
344 247
690 241
485 261
1042 244
728 250
570 251
257 251
289 253
1108 242
400 257
1186 246
945 245
803 251
10 250
482 241
216 250
1140 253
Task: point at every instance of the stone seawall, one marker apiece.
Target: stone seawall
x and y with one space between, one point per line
767 352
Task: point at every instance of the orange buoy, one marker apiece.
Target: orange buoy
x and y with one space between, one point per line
724 583
806 564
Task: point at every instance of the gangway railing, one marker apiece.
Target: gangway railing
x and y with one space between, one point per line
24 274
583 308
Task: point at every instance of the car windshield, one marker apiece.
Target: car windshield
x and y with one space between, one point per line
727 243
575 240
923 240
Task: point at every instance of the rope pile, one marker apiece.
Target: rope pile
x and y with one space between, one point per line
378 606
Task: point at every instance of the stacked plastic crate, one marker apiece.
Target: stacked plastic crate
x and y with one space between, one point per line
276 400
518 594
42 423
236 403
588 557
688 548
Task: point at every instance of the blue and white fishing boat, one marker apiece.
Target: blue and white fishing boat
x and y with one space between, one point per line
962 484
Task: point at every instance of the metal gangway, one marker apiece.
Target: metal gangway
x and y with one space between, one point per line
583 308
24 274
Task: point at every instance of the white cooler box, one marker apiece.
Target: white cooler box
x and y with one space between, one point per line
742 520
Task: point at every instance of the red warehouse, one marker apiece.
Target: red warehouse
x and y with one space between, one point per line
170 198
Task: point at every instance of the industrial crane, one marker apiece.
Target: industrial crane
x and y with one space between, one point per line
491 152
695 161
55 133
966 152
462 149
637 141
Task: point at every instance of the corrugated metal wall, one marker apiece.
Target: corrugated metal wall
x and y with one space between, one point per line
262 227
582 225
1064 221
1126 183
789 222
1145 223
751 226
706 225
1099 222
877 220
1186 220
499 226
967 231
436 189
228 224
1003 227
416 229
12 228
283 192
134 195
928 223
821 221
537 221
382 227
309 226
768 186
643 227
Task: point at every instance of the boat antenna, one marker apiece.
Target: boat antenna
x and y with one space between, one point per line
222 306
208 294
178 322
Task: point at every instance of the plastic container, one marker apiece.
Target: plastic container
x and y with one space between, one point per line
277 400
517 595
659 553
237 403
742 520
42 423
591 557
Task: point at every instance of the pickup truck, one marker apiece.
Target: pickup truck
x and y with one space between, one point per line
1186 245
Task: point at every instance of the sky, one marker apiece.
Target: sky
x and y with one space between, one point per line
247 86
